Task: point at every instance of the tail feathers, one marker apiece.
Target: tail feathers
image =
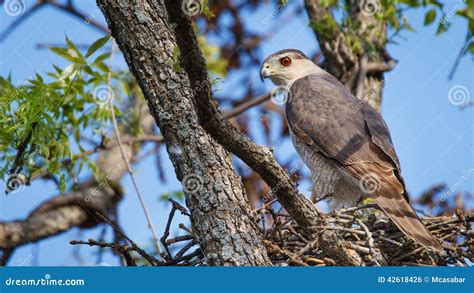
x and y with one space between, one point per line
406 219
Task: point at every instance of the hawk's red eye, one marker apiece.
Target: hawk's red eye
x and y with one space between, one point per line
285 61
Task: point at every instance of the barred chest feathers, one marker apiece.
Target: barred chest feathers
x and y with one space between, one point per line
329 182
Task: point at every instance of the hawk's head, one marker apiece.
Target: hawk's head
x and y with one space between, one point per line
286 66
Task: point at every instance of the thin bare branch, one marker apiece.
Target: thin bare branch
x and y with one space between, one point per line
125 159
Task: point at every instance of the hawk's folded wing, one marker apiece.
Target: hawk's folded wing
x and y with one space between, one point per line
350 133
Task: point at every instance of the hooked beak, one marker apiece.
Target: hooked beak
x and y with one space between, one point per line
265 71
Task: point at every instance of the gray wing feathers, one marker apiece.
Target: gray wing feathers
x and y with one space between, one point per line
379 133
325 112
326 116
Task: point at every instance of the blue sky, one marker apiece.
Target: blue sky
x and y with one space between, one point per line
433 138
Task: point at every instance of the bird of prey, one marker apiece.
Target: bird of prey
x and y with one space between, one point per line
343 141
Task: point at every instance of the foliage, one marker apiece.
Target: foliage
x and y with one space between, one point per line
44 119
462 8
394 12
215 63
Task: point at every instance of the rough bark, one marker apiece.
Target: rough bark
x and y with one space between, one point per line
58 215
257 157
221 216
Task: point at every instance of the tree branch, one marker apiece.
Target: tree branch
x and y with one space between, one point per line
78 208
215 195
258 158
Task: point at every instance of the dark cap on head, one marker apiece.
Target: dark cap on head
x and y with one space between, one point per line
297 52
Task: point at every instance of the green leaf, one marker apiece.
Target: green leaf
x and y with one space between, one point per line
97 45
102 66
430 16
470 47
411 3
436 3
102 57
75 52
67 54
328 3
39 78
470 6
62 183
93 167
407 26
207 12
67 72
442 27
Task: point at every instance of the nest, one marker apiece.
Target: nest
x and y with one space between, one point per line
375 238
365 229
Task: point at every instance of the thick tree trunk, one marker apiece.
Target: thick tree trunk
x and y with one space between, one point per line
259 158
221 217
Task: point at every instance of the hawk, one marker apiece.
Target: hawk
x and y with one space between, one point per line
343 141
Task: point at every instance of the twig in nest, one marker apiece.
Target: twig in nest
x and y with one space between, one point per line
377 257
377 243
